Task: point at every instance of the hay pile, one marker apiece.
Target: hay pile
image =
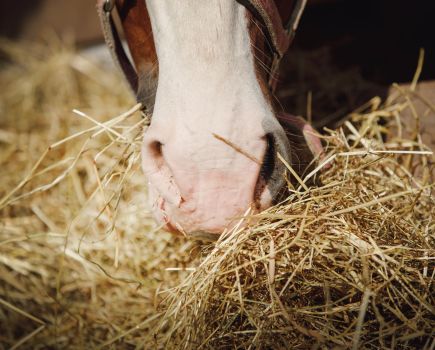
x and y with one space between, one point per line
80 256
82 264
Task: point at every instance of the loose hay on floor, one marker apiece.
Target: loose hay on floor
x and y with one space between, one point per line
348 264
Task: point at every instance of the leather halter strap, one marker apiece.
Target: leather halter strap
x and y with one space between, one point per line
280 31
105 10
280 34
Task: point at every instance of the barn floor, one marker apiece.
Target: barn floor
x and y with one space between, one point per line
82 263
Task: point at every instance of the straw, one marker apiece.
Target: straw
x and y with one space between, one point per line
345 264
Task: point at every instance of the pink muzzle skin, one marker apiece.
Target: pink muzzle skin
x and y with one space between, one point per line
201 196
202 185
207 213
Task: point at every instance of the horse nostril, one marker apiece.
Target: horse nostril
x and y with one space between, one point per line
155 148
268 164
267 169
155 152
158 171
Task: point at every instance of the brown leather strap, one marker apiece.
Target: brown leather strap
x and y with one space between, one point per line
290 26
293 22
281 19
113 41
267 12
280 30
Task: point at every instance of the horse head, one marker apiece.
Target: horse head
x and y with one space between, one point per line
207 71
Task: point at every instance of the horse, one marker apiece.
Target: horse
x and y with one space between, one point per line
216 146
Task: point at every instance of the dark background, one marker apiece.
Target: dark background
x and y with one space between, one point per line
348 51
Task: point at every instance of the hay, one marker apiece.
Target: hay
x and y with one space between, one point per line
348 264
